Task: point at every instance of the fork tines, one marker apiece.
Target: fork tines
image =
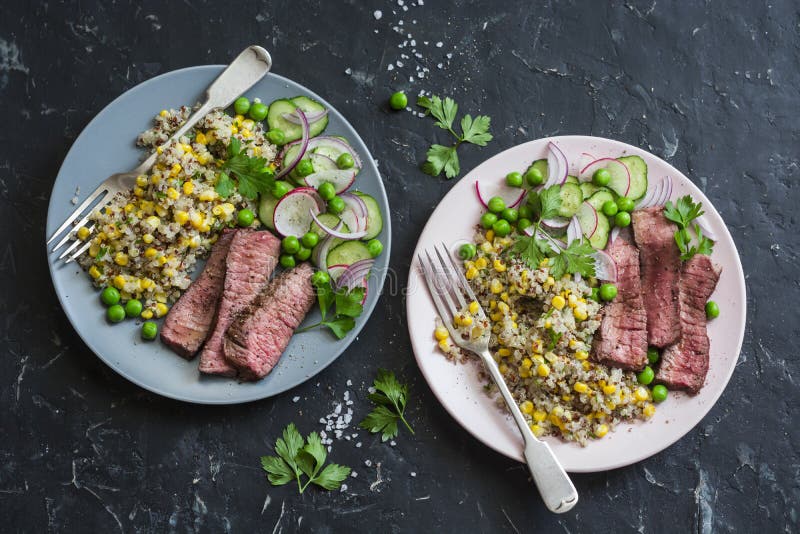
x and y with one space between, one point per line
69 226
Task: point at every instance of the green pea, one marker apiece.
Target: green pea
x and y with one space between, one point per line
601 177
625 204
608 292
622 219
496 204
336 205
245 218
534 177
610 208
398 101
523 223
110 296
241 105
304 167
646 376
276 136
514 179
525 211
488 219
510 214
326 190
149 330
303 254
712 309
375 247
280 189
345 161
310 240
115 313
258 111
653 355
287 261
133 308
467 251
290 244
501 228
660 393
320 278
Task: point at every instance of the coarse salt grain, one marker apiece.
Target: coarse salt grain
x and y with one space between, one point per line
378 14
439 44
295 399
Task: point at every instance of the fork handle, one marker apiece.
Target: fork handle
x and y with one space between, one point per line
553 483
249 66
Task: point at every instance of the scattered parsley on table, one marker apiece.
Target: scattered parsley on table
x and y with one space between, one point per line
390 399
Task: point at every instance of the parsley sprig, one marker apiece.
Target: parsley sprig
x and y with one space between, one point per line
575 258
474 131
682 213
390 399
252 174
297 457
346 307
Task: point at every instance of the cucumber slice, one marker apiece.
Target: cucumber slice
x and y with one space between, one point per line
598 199
275 120
594 225
589 189
600 238
571 198
638 170
374 217
348 253
571 180
266 208
541 165
290 154
309 105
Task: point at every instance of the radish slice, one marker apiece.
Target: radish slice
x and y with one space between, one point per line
587 216
557 166
337 233
583 160
620 174
286 168
355 213
556 222
321 250
573 230
292 214
333 143
312 117
341 179
704 226
604 266
513 203
322 163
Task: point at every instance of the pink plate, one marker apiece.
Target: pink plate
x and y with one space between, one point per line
460 391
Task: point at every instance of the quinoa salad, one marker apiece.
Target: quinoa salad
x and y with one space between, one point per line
148 240
541 337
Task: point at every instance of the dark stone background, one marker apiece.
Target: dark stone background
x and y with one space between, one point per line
710 86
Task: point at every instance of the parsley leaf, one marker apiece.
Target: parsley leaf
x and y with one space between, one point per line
682 213
347 306
339 326
576 258
390 398
225 186
349 303
253 175
531 250
298 457
550 200
475 131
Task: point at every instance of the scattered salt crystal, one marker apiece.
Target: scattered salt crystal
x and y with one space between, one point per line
390 67
344 486
378 14
405 8
400 3
338 409
353 474
400 23
393 443
329 448
368 463
411 79
295 399
358 445
413 473
349 382
449 55
74 201
420 75
399 63
439 65
371 389
413 42
420 2
349 403
439 44
348 71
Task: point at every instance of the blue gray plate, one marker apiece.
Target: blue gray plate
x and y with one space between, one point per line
107 146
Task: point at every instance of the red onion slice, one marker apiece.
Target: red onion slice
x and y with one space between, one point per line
286 168
480 197
355 275
557 166
705 227
583 160
573 230
614 235
653 193
556 223
312 117
349 236
333 142
667 191
604 266
355 213
321 250
510 203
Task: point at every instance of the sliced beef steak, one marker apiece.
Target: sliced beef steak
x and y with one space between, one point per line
684 365
660 265
621 340
189 321
251 260
258 336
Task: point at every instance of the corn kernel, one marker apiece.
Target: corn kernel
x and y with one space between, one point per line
227 207
444 345
234 129
504 296
466 320
256 151
147 314
581 355
188 187
526 407
586 365
611 406
543 370
649 410
145 283
160 149
524 373
163 113
487 247
502 307
162 260
558 302
121 259
481 263
474 307
580 313
496 286
550 281
161 211
176 168
503 368
202 159
217 210
172 193
94 249
150 253
181 217
148 238
238 120
161 309
497 316
572 301
548 324
94 272
504 352
209 195
609 389
580 387
601 430
119 281
539 416
153 221
138 191
197 219
641 394
82 233
200 138
537 430
477 332
441 333
489 235
471 273
527 363
155 179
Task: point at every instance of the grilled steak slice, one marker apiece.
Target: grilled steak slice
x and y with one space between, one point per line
684 365
259 335
661 265
189 321
621 340
250 262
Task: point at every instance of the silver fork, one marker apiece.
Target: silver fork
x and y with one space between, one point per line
448 286
249 66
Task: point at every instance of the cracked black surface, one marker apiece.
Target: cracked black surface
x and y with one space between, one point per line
710 87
